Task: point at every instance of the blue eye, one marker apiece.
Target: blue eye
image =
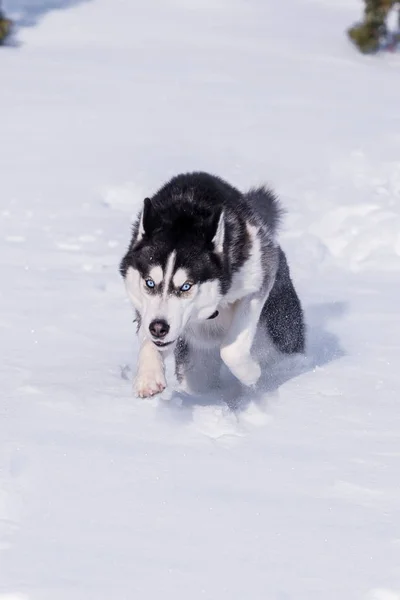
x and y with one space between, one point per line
186 287
150 283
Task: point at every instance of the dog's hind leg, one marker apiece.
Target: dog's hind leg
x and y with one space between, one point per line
282 312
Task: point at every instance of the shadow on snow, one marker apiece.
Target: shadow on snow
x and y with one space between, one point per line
323 347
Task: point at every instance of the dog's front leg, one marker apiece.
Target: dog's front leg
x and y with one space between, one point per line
236 347
150 375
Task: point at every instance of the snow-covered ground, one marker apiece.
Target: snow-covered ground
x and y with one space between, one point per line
296 496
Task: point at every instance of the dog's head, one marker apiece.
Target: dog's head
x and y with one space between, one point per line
173 269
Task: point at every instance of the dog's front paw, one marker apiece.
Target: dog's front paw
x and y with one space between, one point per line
149 382
244 367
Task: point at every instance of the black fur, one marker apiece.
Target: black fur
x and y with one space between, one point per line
282 312
183 215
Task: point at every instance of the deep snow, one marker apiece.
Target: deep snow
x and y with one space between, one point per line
296 495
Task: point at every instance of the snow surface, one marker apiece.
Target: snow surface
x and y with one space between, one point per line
294 496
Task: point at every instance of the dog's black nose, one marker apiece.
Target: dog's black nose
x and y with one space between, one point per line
159 328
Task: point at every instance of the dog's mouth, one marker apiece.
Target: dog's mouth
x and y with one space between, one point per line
162 344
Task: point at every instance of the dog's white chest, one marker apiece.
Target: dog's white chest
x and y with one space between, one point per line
210 332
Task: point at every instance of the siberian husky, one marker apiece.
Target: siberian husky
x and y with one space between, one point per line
205 275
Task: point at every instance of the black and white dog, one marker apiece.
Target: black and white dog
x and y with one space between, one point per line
205 275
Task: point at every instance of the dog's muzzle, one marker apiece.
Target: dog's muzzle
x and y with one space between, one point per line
162 344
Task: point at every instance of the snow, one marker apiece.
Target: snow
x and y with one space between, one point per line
294 496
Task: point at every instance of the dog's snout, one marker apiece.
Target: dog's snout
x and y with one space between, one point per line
159 328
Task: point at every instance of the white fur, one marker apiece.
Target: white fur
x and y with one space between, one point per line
236 347
209 333
248 279
198 304
179 278
140 233
238 342
219 237
169 270
156 273
150 376
207 300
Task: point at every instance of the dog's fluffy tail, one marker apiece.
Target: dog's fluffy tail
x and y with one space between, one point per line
264 202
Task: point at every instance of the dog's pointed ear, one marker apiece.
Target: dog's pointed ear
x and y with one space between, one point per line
219 235
148 219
